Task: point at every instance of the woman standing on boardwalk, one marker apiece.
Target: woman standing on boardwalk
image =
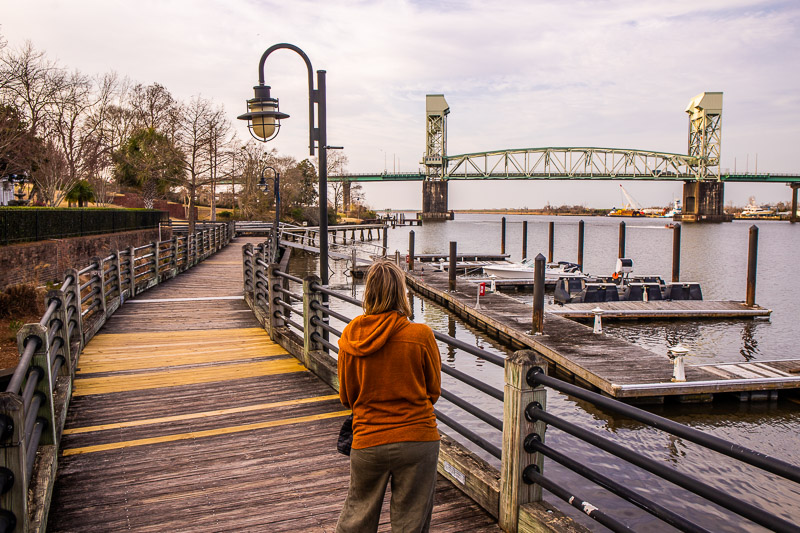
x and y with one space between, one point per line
390 376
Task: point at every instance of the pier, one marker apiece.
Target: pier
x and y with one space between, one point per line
605 364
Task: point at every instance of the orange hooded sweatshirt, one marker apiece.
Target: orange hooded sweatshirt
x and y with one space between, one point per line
390 376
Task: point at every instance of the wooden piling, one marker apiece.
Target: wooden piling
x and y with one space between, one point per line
676 253
580 244
622 239
410 257
752 263
385 240
524 239
517 396
793 214
503 235
551 237
452 270
538 295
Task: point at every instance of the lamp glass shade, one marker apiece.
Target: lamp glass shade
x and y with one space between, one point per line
263 126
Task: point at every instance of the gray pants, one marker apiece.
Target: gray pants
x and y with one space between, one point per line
411 466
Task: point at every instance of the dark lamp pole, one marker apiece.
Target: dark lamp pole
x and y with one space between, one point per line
263 120
276 184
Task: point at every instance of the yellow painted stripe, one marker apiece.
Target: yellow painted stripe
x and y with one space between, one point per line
114 338
173 359
204 414
188 376
201 434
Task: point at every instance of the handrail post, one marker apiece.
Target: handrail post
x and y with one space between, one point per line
132 272
247 277
75 290
99 284
309 296
118 264
13 451
61 314
42 358
518 394
157 259
259 257
272 280
173 264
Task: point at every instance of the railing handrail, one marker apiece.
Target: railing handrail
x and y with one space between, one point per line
317 329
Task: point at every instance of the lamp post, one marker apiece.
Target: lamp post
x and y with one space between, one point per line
276 184
263 120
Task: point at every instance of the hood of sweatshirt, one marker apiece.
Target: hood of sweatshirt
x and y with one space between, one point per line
366 334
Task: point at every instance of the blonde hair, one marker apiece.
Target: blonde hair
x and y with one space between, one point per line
386 290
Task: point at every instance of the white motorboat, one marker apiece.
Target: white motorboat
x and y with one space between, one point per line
525 269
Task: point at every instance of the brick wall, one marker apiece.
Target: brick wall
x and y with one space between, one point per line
135 201
43 261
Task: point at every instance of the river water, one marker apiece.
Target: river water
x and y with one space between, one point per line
714 255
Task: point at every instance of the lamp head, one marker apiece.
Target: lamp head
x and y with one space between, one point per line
263 116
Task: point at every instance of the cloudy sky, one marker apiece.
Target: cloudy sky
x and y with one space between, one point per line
516 73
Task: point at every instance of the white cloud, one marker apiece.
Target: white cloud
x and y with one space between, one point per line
516 74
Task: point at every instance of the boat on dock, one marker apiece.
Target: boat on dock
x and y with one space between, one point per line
524 270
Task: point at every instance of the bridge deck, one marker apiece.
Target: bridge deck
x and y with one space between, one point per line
186 417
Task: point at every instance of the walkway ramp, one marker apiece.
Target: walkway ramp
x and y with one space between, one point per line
186 417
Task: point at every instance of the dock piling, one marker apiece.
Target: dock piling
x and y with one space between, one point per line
524 239
452 270
551 237
752 263
622 239
538 295
385 240
503 235
676 253
410 257
580 245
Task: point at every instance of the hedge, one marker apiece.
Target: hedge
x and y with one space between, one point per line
23 224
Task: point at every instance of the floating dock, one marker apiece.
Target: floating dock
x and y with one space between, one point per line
662 309
607 364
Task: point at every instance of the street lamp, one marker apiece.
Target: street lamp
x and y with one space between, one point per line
276 184
263 120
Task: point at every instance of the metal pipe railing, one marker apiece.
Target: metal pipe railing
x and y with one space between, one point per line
731 449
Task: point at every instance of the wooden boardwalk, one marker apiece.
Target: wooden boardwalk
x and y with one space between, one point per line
600 362
186 417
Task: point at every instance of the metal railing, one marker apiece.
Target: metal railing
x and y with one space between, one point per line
42 380
525 418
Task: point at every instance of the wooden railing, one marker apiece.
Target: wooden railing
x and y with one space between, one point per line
33 407
294 313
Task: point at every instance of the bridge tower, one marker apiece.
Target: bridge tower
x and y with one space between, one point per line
704 198
434 188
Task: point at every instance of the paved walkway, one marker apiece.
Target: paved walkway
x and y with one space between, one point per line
186 417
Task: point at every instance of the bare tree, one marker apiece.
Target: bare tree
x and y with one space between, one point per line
218 130
337 165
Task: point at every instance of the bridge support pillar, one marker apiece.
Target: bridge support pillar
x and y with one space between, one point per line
703 201
434 201
793 213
